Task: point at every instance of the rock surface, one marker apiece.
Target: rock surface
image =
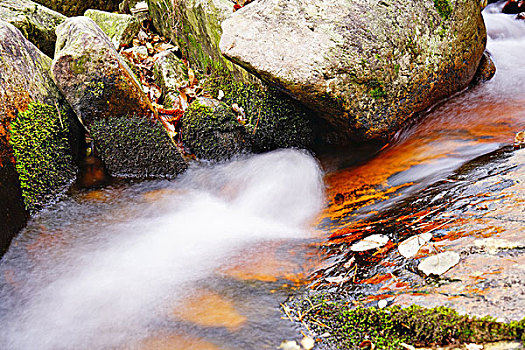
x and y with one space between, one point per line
78 7
195 25
92 76
169 72
118 27
366 66
37 23
104 94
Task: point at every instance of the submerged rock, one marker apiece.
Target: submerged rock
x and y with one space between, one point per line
486 69
25 79
118 27
37 23
103 92
78 7
366 66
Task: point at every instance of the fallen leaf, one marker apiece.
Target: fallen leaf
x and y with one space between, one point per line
473 346
409 247
370 242
407 346
438 264
337 279
382 303
220 95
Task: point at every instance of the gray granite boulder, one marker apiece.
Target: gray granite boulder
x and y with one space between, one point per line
366 66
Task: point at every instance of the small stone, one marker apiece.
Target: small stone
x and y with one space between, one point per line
382 303
439 264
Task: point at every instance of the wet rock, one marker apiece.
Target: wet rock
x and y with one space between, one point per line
24 79
513 7
104 94
36 22
119 28
78 7
486 69
170 74
365 70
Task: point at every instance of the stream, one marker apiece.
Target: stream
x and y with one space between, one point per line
204 261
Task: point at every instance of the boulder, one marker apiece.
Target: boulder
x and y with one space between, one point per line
486 69
170 74
195 25
25 80
78 7
92 76
104 93
366 66
36 22
121 29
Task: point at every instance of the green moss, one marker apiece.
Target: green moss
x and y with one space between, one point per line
377 92
213 133
415 325
444 8
135 146
274 120
42 152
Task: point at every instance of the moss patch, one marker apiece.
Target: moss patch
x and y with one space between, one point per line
388 327
274 120
39 137
213 133
444 8
134 146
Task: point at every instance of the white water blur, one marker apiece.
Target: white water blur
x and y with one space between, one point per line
110 288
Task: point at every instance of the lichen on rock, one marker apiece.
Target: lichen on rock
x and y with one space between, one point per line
77 8
36 22
366 66
120 28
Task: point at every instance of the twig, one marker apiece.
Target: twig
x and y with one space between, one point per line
257 123
59 115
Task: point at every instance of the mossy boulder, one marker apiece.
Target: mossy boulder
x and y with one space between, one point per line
273 119
104 93
92 76
366 66
36 22
24 79
120 28
78 7
211 130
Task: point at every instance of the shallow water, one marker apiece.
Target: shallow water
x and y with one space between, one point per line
204 261
111 268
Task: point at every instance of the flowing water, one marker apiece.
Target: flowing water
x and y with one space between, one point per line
204 261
